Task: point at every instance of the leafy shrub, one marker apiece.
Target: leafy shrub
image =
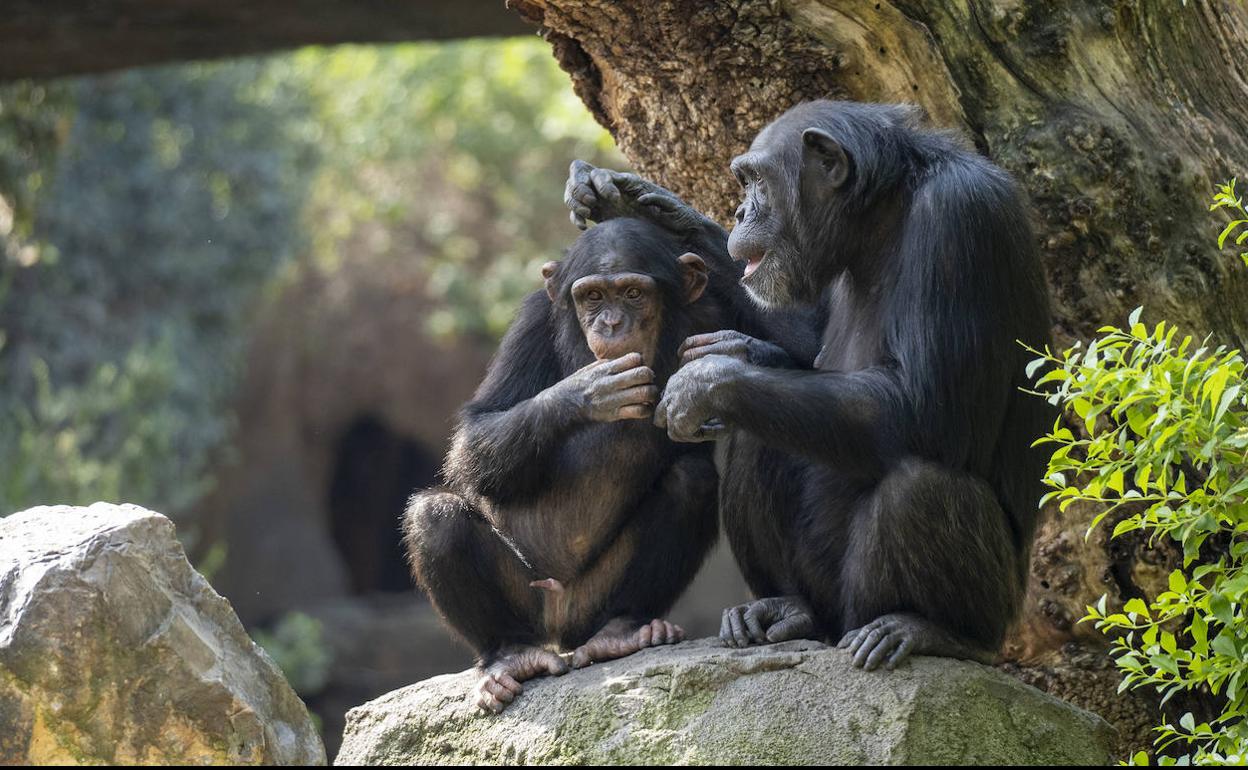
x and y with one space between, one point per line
1166 445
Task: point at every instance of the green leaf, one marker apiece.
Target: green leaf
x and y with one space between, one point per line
1188 722
1230 228
1137 606
1212 390
1220 606
1178 582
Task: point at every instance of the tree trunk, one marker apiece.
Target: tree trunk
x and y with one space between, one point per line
1117 117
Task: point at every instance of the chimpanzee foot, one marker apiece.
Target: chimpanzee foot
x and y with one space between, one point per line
773 619
500 681
621 636
890 639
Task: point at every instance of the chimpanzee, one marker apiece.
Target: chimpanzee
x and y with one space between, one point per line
569 520
886 495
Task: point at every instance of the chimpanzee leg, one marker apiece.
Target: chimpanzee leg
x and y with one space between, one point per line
482 590
758 499
652 562
930 568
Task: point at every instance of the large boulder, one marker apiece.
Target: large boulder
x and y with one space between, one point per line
114 650
698 703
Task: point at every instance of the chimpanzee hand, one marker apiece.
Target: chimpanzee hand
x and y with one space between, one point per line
600 194
774 619
689 409
606 391
734 344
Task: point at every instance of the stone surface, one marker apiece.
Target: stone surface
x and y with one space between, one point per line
698 703
114 650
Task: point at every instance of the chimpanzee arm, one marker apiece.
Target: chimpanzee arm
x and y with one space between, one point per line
507 433
522 412
856 421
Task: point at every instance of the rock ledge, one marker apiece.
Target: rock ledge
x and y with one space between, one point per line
698 703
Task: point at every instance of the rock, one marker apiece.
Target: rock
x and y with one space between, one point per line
697 703
114 650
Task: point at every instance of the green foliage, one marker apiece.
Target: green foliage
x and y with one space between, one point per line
298 647
461 151
1161 439
145 215
157 204
1225 198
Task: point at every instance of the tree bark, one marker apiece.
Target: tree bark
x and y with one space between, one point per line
1117 117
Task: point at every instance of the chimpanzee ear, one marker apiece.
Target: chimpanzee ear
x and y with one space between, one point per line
694 270
549 272
829 153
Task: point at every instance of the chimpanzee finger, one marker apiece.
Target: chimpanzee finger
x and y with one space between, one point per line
678 632
578 220
508 681
755 616
658 200
865 649
881 652
658 632
730 348
638 395
634 412
603 182
698 340
900 654
644 635
622 364
709 431
660 414
638 375
739 633
498 691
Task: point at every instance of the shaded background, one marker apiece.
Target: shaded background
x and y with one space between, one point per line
251 294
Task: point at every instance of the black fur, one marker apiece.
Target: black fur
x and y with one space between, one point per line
896 475
619 514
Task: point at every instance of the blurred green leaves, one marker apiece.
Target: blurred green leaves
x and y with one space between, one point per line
146 215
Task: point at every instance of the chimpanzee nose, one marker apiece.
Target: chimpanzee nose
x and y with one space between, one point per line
741 213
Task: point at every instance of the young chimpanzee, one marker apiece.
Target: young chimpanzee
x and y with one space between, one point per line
885 496
569 520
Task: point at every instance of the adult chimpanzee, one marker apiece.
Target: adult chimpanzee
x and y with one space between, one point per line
569 519
885 496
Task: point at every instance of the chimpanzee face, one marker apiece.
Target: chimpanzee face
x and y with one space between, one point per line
619 313
792 177
623 284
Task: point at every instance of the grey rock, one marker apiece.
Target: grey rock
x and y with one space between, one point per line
114 650
698 703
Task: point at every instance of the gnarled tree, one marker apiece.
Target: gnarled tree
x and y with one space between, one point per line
1117 117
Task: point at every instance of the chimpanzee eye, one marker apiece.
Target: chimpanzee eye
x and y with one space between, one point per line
593 295
633 293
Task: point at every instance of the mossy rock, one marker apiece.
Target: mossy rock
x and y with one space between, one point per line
698 703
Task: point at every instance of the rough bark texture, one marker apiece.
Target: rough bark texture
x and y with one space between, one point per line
1117 117
46 38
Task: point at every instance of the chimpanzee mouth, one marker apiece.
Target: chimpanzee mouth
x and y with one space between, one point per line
752 264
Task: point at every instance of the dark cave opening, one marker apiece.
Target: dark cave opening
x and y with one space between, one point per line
375 470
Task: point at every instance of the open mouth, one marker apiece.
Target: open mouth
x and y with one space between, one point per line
753 263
